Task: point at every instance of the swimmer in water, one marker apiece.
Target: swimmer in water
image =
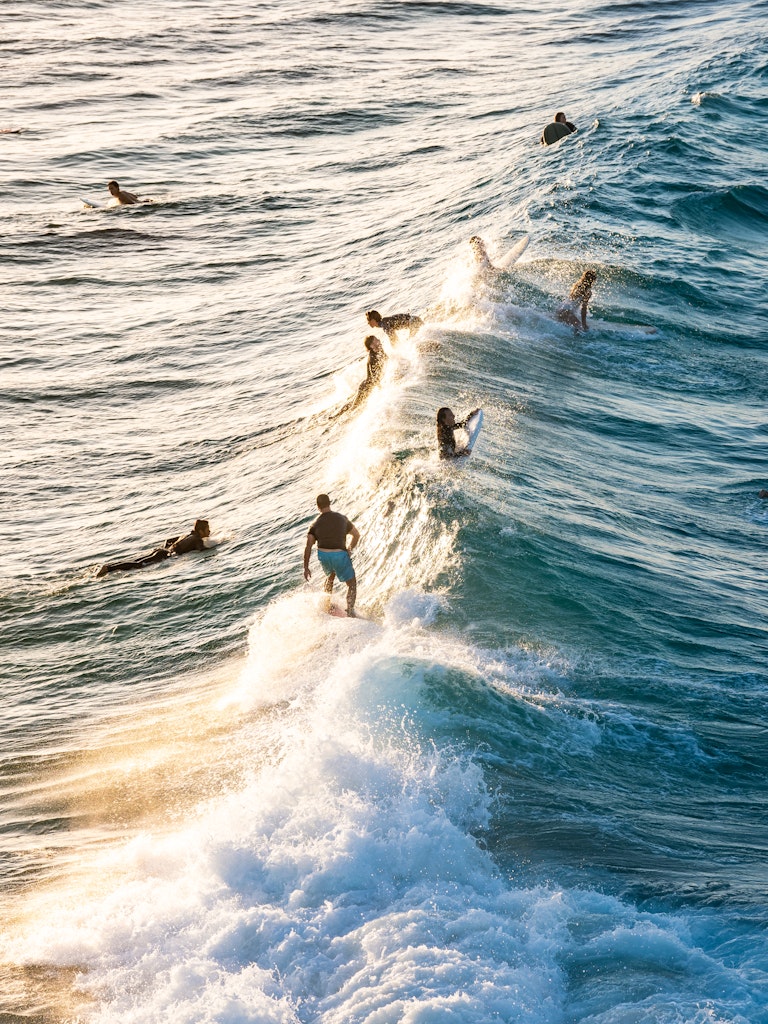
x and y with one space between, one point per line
192 541
574 311
392 324
446 439
123 198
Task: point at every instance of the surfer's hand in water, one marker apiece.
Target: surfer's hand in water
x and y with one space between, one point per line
307 574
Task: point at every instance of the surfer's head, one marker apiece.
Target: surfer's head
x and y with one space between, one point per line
478 248
590 276
201 528
113 187
372 343
373 316
323 502
560 116
445 417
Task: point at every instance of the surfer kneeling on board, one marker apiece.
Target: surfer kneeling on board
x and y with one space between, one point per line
446 439
192 541
329 531
574 311
124 198
480 253
377 359
392 324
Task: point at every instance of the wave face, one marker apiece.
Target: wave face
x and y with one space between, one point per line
528 783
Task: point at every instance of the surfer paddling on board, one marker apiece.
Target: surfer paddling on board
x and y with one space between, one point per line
574 311
192 541
329 531
392 324
557 129
123 198
446 439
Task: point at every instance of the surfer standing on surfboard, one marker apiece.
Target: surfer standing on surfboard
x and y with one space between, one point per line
330 531
446 439
574 311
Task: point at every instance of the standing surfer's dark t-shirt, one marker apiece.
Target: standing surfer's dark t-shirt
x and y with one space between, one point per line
330 530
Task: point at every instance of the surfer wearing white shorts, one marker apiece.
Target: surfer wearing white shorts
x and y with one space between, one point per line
446 439
574 311
329 531
392 324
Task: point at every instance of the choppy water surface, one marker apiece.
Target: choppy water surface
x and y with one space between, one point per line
530 786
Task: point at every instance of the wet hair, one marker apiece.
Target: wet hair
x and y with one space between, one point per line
441 414
560 116
586 279
201 526
115 189
369 341
375 315
323 501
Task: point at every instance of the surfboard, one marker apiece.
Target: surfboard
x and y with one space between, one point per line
514 254
474 426
89 204
628 329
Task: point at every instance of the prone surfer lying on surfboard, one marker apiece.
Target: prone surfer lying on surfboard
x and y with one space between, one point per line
446 439
192 541
577 303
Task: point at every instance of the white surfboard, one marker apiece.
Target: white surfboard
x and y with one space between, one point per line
514 254
90 204
474 426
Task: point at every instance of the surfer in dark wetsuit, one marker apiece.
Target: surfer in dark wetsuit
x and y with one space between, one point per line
329 531
124 198
574 311
557 129
377 359
446 439
392 324
192 541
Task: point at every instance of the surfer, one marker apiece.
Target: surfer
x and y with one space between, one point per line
557 129
192 541
377 359
446 439
763 494
124 198
576 306
330 531
392 324
480 253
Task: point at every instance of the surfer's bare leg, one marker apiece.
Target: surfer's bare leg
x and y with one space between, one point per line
328 588
351 595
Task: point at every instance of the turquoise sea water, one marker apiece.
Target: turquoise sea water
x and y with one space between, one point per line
531 786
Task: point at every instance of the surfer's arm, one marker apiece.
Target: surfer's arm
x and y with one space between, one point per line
355 534
307 552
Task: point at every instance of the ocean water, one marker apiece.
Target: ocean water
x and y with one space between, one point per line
530 785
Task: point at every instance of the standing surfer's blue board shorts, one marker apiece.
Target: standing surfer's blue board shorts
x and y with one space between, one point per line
337 562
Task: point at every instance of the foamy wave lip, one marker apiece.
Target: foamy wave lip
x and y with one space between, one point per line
412 608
